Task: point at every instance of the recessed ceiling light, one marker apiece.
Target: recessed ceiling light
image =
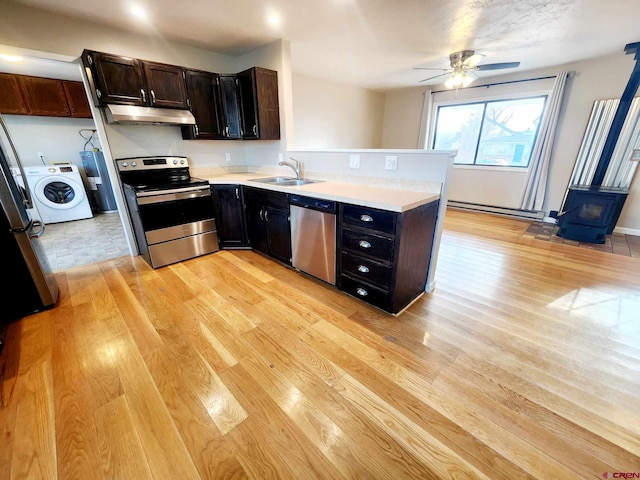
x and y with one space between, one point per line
11 58
274 19
138 12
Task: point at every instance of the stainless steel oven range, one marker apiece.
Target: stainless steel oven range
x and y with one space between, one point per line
171 212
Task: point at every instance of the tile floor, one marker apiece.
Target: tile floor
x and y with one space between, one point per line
81 242
618 243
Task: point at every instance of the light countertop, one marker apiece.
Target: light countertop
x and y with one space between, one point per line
394 200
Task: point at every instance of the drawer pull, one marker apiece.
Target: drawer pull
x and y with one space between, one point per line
363 269
364 244
366 218
362 292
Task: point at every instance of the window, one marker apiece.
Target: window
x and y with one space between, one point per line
491 133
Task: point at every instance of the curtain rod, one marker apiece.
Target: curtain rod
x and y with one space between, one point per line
499 83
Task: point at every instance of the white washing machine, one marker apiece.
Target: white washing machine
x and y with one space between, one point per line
58 193
17 175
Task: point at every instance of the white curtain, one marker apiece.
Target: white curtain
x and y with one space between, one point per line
425 121
533 195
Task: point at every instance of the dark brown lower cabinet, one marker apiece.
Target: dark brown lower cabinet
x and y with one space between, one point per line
230 222
268 226
384 256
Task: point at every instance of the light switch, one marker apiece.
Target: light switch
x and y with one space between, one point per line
354 161
227 157
635 156
391 162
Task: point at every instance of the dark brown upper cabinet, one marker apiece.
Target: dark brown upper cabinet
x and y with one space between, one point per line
204 105
227 90
45 96
11 99
259 110
77 99
128 81
38 96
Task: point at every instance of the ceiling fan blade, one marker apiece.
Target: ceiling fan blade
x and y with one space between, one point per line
431 78
498 66
427 68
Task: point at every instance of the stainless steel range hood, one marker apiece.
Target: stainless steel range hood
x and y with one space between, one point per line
129 114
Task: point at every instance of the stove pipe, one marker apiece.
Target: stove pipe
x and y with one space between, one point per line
620 116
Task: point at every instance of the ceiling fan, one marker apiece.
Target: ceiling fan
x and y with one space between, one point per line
464 64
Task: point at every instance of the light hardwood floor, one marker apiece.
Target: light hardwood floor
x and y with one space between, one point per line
523 363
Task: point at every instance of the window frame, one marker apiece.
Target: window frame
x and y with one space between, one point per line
484 99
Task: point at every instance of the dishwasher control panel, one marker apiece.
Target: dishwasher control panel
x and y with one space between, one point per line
314 203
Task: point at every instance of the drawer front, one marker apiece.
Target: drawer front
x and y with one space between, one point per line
266 197
365 292
369 218
366 269
364 243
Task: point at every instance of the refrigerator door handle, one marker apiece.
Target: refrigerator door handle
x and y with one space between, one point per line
39 225
28 200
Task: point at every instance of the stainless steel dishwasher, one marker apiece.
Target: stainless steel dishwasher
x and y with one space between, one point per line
313 237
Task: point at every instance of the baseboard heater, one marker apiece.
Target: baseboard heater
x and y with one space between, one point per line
511 212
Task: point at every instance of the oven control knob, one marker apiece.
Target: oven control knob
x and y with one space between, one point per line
124 164
134 164
175 162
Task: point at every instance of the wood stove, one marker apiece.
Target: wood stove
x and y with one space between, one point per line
591 212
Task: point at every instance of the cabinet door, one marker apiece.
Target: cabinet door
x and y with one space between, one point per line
77 99
45 96
279 234
229 215
204 105
259 108
257 227
119 80
166 85
11 99
229 100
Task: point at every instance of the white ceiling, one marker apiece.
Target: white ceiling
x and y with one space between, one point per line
377 43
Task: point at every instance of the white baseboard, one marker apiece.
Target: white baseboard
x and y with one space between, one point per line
627 231
511 212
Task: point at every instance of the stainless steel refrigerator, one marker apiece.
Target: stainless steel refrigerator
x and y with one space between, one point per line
29 285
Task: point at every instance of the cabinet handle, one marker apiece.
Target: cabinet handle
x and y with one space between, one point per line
98 93
363 269
261 214
90 59
255 130
144 95
196 129
226 131
364 244
266 215
153 96
366 218
362 292
237 193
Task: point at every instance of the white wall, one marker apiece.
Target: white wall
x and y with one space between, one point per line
595 79
56 137
335 115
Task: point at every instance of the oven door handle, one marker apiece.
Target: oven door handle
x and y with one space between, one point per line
146 198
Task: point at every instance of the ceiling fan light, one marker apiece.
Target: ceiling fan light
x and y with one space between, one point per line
466 81
458 79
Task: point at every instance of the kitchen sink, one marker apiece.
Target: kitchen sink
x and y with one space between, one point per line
286 181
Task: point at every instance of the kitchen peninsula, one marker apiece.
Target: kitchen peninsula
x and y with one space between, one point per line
386 239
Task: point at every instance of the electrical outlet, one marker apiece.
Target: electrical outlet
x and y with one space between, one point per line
227 156
391 162
354 161
280 158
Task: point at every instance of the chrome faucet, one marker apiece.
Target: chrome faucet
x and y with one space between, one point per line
295 167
